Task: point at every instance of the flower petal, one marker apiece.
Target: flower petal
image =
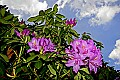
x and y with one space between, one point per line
76 68
70 63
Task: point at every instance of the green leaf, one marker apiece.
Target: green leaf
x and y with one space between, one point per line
51 69
12 41
2 69
47 31
8 17
20 29
43 57
83 77
2 11
51 21
78 76
69 39
74 33
48 10
65 74
59 19
60 15
4 57
32 54
40 19
12 31
18 70
41 13
4 22
32 19
15 18
31 58
38 64
55 8
85 70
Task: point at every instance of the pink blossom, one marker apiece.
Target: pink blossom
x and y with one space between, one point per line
83 52
71 22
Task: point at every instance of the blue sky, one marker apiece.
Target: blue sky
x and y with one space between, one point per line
101 18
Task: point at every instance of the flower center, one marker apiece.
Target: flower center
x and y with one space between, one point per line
34 45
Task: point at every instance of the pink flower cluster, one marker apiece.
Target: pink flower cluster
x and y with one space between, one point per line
82 53
71 22
37 44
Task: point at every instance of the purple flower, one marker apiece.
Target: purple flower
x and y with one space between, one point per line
34 45
71 22
43 44
17 33
22 22
75 61
95 60
33 34
25 32
47 45
83 52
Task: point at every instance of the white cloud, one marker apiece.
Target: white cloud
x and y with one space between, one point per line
105 14
98 11
62 3
21 7
115 54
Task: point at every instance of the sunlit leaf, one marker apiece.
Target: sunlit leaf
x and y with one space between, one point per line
74 33
85 70
12 31
32 19
8 17
59 19
78 76
60 15
48 10
2 11
55 8
51 69
4 57
31 58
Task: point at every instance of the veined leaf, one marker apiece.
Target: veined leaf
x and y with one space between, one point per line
59 19
12 31
4 57
55 8
8 17
32 19
85 70
74 33
60 15
51 69
48 10
12 41
38 64
2 11
31 58
4 22
78 76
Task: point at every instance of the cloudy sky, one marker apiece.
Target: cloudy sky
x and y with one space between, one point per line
101 18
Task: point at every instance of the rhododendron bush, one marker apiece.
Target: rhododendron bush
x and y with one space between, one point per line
48 47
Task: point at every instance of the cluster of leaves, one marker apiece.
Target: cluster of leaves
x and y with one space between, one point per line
16 63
